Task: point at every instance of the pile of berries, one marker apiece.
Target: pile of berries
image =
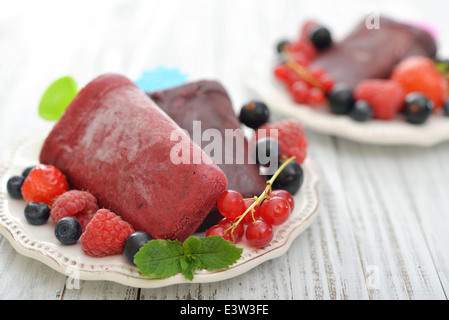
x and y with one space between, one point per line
252 218
416 89
75 214
305 83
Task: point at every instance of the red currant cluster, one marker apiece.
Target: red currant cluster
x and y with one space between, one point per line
252 218
305 83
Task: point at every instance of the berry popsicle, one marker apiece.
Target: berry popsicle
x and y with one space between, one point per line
114 141
372 53
207 101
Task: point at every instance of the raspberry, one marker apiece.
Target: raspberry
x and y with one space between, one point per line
105 234
386 97
43 184
81 205
419 74
291 138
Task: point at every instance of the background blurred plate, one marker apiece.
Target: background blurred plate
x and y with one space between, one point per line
261 80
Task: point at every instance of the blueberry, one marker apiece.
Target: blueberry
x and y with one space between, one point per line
27 171
134 242
362 111
417 108
290 178
254 114
267 151
320 37
341 99
14 186
281 45
36 213
68 230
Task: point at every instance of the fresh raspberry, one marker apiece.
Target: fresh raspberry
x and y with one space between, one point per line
43 184
105 234
386 97
291 138
419 74
81 205
307 28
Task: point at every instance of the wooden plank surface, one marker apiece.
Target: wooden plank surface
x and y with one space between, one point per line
384 216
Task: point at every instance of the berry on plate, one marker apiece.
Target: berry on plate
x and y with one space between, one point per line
275 210
230 204
417 108
14 186
68 230
341 99
259 233
291 138
254 114
362 111
420 74
105 234
43 184
386 97
36 213
134 242
289 179
81 205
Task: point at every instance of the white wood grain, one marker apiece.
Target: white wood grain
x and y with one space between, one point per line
382 229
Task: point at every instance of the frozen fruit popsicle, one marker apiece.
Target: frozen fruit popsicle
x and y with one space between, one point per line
114 141
208 102
372 53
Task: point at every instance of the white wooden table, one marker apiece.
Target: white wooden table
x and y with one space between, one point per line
382 232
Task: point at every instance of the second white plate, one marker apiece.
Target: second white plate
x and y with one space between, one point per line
261 80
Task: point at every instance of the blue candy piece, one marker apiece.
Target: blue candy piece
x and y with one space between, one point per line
160 78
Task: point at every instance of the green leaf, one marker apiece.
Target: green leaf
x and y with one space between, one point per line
159 258
165 258
57 97
217 253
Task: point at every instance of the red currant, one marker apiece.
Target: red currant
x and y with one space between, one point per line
259 234
218 231
230 204
281 72
275 210
235 235
299 91
249 216
316 96
285 195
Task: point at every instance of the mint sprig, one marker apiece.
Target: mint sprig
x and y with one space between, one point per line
165 258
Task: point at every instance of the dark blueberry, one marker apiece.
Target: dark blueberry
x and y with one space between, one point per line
320 37
281 46
36 213
417 108
27 171
14 186
362 111
134 242
254 114
290 178
68 230
341 99
267 151
446 108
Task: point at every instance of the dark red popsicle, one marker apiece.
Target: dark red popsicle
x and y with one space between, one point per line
208 102
114 141
372 53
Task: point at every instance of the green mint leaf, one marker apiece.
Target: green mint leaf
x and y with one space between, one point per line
57 97
159 258
165 258
188 267
214 252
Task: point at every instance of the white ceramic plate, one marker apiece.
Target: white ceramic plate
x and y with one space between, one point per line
39 242
261 80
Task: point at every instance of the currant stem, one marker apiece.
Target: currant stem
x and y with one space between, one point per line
301 70
259 199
